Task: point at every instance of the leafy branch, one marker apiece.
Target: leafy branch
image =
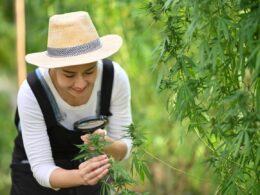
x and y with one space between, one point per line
209 55
118 179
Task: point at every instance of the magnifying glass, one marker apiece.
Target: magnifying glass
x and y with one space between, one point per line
90 124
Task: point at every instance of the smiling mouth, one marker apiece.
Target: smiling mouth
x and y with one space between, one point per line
79 90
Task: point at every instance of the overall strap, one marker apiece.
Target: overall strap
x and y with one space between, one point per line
16 118
106 87
42 98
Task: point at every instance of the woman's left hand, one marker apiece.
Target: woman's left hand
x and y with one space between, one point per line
117 149
101 132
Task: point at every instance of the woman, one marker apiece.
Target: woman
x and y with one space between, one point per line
64 89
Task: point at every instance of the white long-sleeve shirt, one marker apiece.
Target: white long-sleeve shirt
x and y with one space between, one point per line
34 130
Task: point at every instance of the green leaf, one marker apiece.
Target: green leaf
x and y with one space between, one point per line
257 161
238 144
258 98
167 4
80 156
147 172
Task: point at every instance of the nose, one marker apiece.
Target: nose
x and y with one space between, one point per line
80 83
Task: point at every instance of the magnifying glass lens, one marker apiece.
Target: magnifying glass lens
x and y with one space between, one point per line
90 124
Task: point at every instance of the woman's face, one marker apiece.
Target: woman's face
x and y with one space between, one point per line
75 81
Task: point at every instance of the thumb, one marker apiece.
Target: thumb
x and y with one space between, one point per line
84 137
100 132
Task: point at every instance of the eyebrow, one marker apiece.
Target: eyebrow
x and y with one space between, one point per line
72 72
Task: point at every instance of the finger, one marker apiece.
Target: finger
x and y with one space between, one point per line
94 159
97 178
100 132
93 169
90 174
95 165
95 173
84 138
98 158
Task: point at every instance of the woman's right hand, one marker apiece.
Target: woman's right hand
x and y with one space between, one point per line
94 169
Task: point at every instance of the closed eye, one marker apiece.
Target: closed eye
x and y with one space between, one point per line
69 76
88 73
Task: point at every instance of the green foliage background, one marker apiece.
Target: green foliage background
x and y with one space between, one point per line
210 61
177 159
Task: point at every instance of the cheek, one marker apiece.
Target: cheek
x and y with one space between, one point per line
91 78
64 83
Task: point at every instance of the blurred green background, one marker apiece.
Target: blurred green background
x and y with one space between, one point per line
177 160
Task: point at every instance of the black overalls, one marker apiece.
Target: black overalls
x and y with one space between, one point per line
62 140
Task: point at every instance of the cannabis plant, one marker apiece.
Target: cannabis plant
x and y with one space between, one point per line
209 59
118 179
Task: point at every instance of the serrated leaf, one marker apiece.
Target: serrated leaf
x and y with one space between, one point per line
238 144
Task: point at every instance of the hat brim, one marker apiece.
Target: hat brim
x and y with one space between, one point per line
110 45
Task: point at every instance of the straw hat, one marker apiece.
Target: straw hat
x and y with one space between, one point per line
73 40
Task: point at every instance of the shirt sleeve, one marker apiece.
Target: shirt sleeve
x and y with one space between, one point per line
35 137
120 108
